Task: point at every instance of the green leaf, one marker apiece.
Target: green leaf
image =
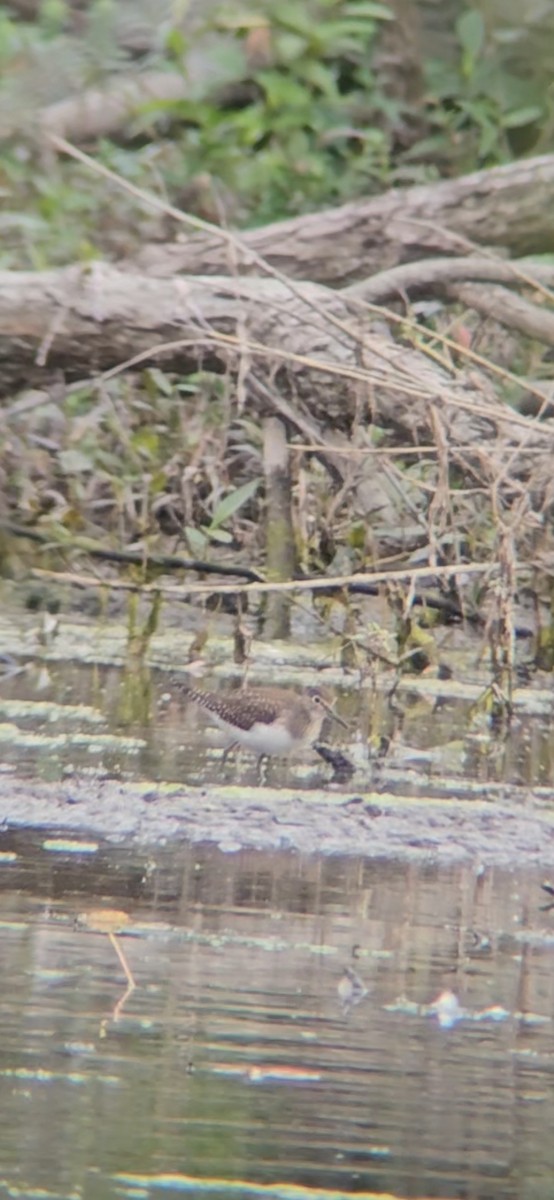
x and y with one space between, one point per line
319 76
488 137
79 401
283 92
295 18
73 462
146 441
378 12
470 30
233 501
157 484
289 46
176 43
522 116
160 380
196 540
221 536
52 16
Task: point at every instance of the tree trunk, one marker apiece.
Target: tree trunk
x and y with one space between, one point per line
322 359
506 206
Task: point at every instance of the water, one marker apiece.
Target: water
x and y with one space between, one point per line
302 1027
134 724
237 1061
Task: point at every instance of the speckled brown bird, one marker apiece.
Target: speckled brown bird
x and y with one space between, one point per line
267 720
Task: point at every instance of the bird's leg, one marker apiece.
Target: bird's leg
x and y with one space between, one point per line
261 769
230 749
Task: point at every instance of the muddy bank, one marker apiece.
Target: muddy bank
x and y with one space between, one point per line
509 831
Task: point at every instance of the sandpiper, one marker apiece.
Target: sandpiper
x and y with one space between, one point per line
267 720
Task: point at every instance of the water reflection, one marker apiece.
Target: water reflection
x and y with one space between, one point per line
236 1061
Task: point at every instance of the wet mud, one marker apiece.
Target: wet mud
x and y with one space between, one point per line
514 830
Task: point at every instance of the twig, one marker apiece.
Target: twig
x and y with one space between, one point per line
424 274
127 970
317 584
164 562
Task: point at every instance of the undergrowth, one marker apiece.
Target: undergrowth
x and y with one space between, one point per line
307 118
163 463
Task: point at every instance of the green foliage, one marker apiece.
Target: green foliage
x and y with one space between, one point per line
309 135
198 539
146 458
10 37
313 132
314 121
478 103
53 16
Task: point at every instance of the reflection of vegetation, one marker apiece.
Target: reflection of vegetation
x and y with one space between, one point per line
111 922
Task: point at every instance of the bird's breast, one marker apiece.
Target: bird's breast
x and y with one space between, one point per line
260 737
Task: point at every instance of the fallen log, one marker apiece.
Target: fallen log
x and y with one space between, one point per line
309 355
455 278
84 321
507 207
423 277
321 353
